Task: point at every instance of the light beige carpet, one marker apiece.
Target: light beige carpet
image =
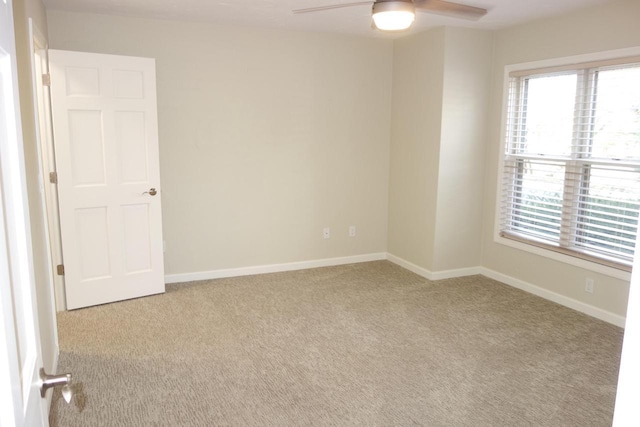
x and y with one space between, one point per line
368 344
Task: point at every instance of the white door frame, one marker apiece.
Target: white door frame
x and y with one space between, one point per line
46 158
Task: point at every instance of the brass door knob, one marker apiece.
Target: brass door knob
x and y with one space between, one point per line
152 192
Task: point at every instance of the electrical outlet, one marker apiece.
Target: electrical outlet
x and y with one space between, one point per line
326 232
588 285
352 231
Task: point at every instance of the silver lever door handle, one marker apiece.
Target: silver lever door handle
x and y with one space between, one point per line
151 192
49 381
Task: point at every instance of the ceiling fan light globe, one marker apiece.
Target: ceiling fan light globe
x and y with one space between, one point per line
393 21
393 15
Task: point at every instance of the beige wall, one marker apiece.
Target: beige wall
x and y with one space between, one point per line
440 90
266 137
23 10
416 116
466 90
609 27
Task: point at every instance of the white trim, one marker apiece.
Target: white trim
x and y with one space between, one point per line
497 208
272 268
552 62
410 266
627 411
38 42
575 59
566 259
54 368
44 135
582 307
459 272
433 275
571 303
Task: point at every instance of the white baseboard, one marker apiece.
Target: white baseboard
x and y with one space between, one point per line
582 307
431 275
410 266
458 272
272 268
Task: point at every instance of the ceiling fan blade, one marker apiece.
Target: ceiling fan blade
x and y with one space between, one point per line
448 8
334 6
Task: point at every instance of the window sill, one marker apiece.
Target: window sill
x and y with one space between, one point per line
619 273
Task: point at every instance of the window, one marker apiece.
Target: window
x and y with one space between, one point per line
571 170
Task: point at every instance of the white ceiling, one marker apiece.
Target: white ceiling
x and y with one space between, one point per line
351 20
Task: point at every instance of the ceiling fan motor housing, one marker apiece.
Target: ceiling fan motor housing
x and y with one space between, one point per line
393 6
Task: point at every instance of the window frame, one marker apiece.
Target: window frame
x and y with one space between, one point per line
613 269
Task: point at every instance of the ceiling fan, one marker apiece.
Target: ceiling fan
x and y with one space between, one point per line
394 15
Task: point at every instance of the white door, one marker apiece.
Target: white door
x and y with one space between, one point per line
106 150
20 356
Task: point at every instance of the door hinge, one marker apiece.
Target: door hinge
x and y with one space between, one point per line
46 80
60 269
53 177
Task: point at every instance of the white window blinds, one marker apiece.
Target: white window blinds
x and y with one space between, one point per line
571 172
